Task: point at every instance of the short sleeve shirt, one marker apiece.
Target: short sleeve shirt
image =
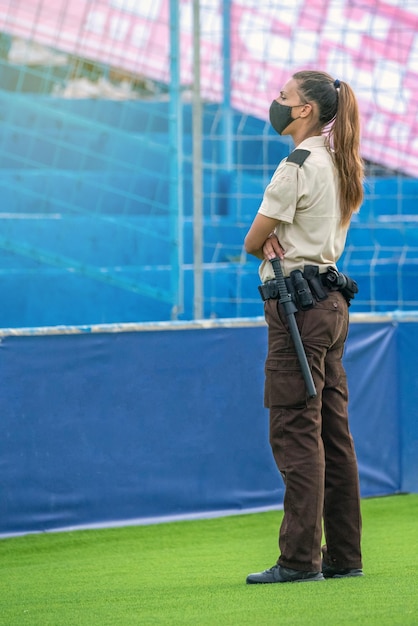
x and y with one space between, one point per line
305 200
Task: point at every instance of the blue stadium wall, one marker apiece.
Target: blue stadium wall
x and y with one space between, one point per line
141 423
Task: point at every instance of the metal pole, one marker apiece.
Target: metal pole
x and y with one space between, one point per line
197 170
226 102
176 154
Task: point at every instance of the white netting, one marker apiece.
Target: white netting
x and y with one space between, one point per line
88 142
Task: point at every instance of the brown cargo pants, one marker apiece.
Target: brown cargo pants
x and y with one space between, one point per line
311 440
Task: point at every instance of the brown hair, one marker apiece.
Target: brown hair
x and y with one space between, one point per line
338 109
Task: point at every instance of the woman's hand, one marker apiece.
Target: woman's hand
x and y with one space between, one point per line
272 248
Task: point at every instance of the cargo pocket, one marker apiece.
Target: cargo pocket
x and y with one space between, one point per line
284 383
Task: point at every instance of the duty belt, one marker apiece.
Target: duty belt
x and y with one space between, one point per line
309 286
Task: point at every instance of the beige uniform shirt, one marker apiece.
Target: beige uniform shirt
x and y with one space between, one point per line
305 200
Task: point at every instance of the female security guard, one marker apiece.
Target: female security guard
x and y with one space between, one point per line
303 220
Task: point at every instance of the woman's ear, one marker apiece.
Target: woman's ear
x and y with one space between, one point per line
308 108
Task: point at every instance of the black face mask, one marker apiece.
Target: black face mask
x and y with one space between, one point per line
280 116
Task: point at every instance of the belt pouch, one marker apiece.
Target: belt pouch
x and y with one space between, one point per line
311 273
269 290
301 292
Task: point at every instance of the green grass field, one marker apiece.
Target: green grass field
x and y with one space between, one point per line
194 573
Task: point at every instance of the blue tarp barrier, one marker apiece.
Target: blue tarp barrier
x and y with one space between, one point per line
134 424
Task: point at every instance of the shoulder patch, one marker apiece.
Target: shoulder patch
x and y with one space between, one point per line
298 156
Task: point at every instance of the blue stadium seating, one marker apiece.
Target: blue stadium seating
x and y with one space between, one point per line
68 210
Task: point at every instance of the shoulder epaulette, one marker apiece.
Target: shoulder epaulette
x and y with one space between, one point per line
298 156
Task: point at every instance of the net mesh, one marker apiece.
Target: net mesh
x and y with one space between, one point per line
92 156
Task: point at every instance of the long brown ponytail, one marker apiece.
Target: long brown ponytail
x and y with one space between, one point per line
338 111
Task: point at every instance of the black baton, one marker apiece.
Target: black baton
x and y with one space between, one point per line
290 310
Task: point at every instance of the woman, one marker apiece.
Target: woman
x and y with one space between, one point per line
303 220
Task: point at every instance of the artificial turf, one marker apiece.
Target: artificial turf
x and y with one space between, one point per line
194 573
